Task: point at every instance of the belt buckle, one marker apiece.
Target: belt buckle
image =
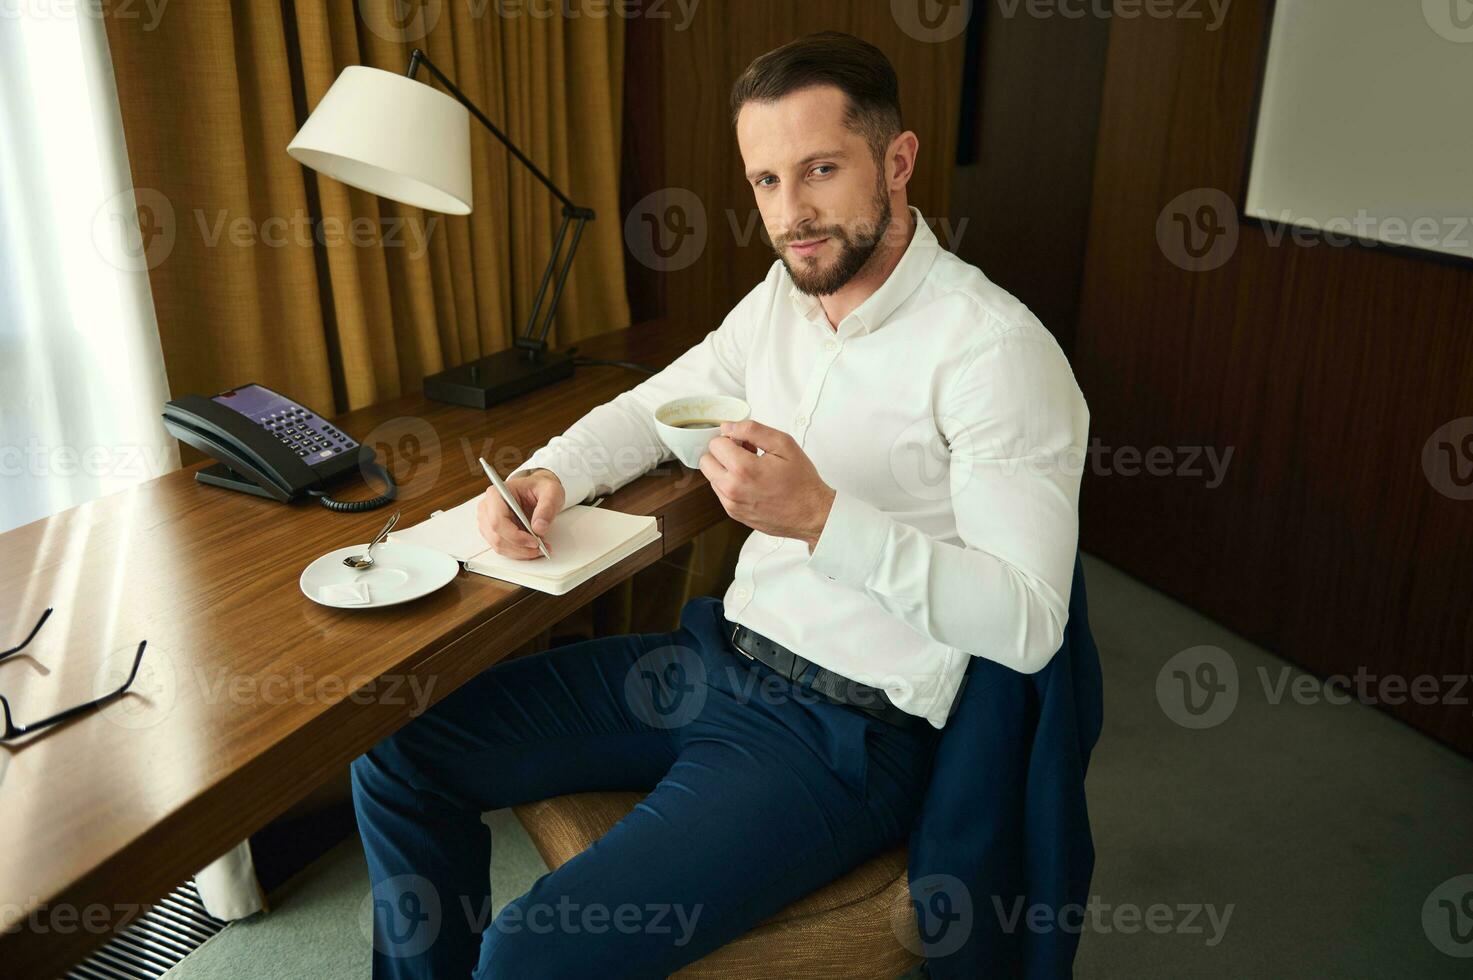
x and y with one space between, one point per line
736 646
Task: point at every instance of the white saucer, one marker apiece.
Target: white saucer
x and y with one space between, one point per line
400 572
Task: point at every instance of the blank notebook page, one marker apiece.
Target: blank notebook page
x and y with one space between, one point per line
580 536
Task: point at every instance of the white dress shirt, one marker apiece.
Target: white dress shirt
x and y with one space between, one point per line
949 424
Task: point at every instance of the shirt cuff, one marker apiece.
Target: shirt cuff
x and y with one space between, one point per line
849 546
576 486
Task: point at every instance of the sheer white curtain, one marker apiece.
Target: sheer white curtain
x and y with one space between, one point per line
81 373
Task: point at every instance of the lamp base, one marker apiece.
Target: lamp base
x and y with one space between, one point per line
499 377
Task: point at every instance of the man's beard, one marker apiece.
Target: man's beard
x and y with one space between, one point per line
854 251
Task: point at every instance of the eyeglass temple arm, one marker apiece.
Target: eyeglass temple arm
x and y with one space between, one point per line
13 730
34 630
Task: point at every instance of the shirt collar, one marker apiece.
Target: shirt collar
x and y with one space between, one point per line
904 279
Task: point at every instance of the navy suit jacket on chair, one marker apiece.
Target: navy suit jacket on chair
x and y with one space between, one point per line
1001 855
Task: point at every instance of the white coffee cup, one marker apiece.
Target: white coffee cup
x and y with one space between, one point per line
689 444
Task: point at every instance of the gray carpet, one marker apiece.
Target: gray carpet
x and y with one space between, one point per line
1291 839
318 926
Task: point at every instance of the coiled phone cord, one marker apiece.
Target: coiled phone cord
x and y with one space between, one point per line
391 491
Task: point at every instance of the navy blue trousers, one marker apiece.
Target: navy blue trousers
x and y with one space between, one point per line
760 792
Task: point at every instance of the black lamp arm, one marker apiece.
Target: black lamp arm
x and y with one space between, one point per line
574 213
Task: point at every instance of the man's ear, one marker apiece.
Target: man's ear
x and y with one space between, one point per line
900 160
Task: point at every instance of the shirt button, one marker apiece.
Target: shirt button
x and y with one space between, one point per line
831 345
739 593
800 421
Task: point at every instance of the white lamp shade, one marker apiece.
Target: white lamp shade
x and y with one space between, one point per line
392 136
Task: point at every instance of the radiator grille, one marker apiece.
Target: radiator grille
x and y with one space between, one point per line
155 942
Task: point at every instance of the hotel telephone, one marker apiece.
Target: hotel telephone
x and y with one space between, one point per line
270 446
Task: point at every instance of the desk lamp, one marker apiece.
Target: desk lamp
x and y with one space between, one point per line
393 136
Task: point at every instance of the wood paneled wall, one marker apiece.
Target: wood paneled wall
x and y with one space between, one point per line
1325 370
680 139
1022 206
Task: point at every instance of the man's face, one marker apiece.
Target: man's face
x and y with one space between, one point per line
822 195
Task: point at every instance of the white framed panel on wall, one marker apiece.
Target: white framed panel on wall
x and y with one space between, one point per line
1365 123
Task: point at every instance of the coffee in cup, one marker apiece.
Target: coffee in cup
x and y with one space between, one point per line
687 425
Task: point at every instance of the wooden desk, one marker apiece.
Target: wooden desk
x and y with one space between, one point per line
251 694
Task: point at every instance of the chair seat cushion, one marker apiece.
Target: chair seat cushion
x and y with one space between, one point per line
848 928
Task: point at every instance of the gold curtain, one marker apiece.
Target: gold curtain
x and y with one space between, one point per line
268 272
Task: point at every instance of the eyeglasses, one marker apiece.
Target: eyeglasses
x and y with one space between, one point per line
14 731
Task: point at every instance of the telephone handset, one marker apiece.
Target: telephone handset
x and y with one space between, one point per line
270 446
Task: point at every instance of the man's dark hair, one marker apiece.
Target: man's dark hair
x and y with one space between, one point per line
857 68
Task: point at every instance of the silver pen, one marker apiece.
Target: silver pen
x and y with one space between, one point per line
511 501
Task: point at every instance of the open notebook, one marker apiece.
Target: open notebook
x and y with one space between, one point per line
583 541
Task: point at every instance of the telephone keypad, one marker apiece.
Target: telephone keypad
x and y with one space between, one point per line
304 433
313 439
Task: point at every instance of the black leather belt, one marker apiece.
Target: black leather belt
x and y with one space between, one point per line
835 687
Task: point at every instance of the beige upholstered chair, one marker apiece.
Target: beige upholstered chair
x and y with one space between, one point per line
848 930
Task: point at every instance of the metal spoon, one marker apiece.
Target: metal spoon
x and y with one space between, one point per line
365 560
